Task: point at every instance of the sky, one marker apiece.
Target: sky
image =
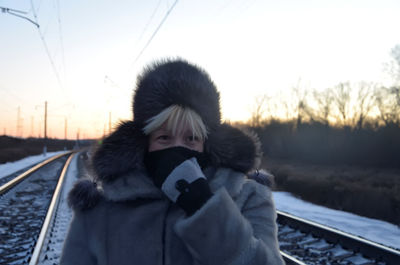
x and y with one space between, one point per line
84 58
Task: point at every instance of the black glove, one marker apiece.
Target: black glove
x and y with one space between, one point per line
179 177
194 195
160 163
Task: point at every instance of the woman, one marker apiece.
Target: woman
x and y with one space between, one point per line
170 186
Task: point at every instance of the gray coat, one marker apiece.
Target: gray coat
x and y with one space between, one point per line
130 221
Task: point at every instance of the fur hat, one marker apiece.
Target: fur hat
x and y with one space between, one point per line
161 85
176 82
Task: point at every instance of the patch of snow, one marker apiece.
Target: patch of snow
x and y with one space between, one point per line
9 168
54 242
374 230
371 229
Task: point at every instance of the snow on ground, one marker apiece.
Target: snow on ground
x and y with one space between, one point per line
55 239
371 229
12 167
374 230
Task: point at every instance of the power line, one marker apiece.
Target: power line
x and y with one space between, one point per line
46 47
155 32
149 21
23 101
61 35
39 6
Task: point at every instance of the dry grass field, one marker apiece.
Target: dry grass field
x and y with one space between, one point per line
370 192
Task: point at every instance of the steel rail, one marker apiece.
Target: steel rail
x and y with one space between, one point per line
50 214
289 260
366 247
18 179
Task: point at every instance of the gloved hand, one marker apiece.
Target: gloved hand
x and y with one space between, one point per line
160 163
178 174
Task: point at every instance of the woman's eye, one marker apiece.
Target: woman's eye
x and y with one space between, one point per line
193 138
163 137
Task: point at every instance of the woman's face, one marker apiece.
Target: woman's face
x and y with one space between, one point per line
163 138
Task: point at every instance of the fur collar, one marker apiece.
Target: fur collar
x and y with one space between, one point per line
137 185
123 150
119 173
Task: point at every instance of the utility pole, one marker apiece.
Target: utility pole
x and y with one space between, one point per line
65 128
65 133
109 122
45 129
45 120
40 129
31 126
77 139
18 114
19 123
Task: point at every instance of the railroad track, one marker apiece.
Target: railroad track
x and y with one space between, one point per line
305 242
24 203
32 230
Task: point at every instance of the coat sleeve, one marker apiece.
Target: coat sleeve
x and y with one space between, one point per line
76 249
221 233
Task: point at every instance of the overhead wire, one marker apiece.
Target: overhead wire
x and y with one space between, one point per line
38 7
155 32
46 47
61 40
61 36
23 101
149 21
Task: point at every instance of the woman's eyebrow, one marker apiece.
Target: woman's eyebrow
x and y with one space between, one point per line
162 130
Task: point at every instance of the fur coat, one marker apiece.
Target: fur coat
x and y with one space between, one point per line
125 219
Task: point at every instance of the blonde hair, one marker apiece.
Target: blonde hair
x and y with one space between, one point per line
177 118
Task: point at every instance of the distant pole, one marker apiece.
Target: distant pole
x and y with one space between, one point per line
45 129
19 123
5 131
45 120
65 128
65 133
109 123
77 139
40 130
18 111
31 126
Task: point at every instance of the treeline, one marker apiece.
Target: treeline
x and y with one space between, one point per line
354 124
313 142
12 148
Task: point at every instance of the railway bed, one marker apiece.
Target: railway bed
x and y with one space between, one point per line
35 221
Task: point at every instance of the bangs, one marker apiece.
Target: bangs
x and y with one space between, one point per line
177 118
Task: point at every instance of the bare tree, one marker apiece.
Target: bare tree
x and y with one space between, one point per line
301 110
324 100
341 99
363 104
258 111
388 102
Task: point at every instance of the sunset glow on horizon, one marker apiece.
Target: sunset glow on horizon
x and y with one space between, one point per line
249 48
